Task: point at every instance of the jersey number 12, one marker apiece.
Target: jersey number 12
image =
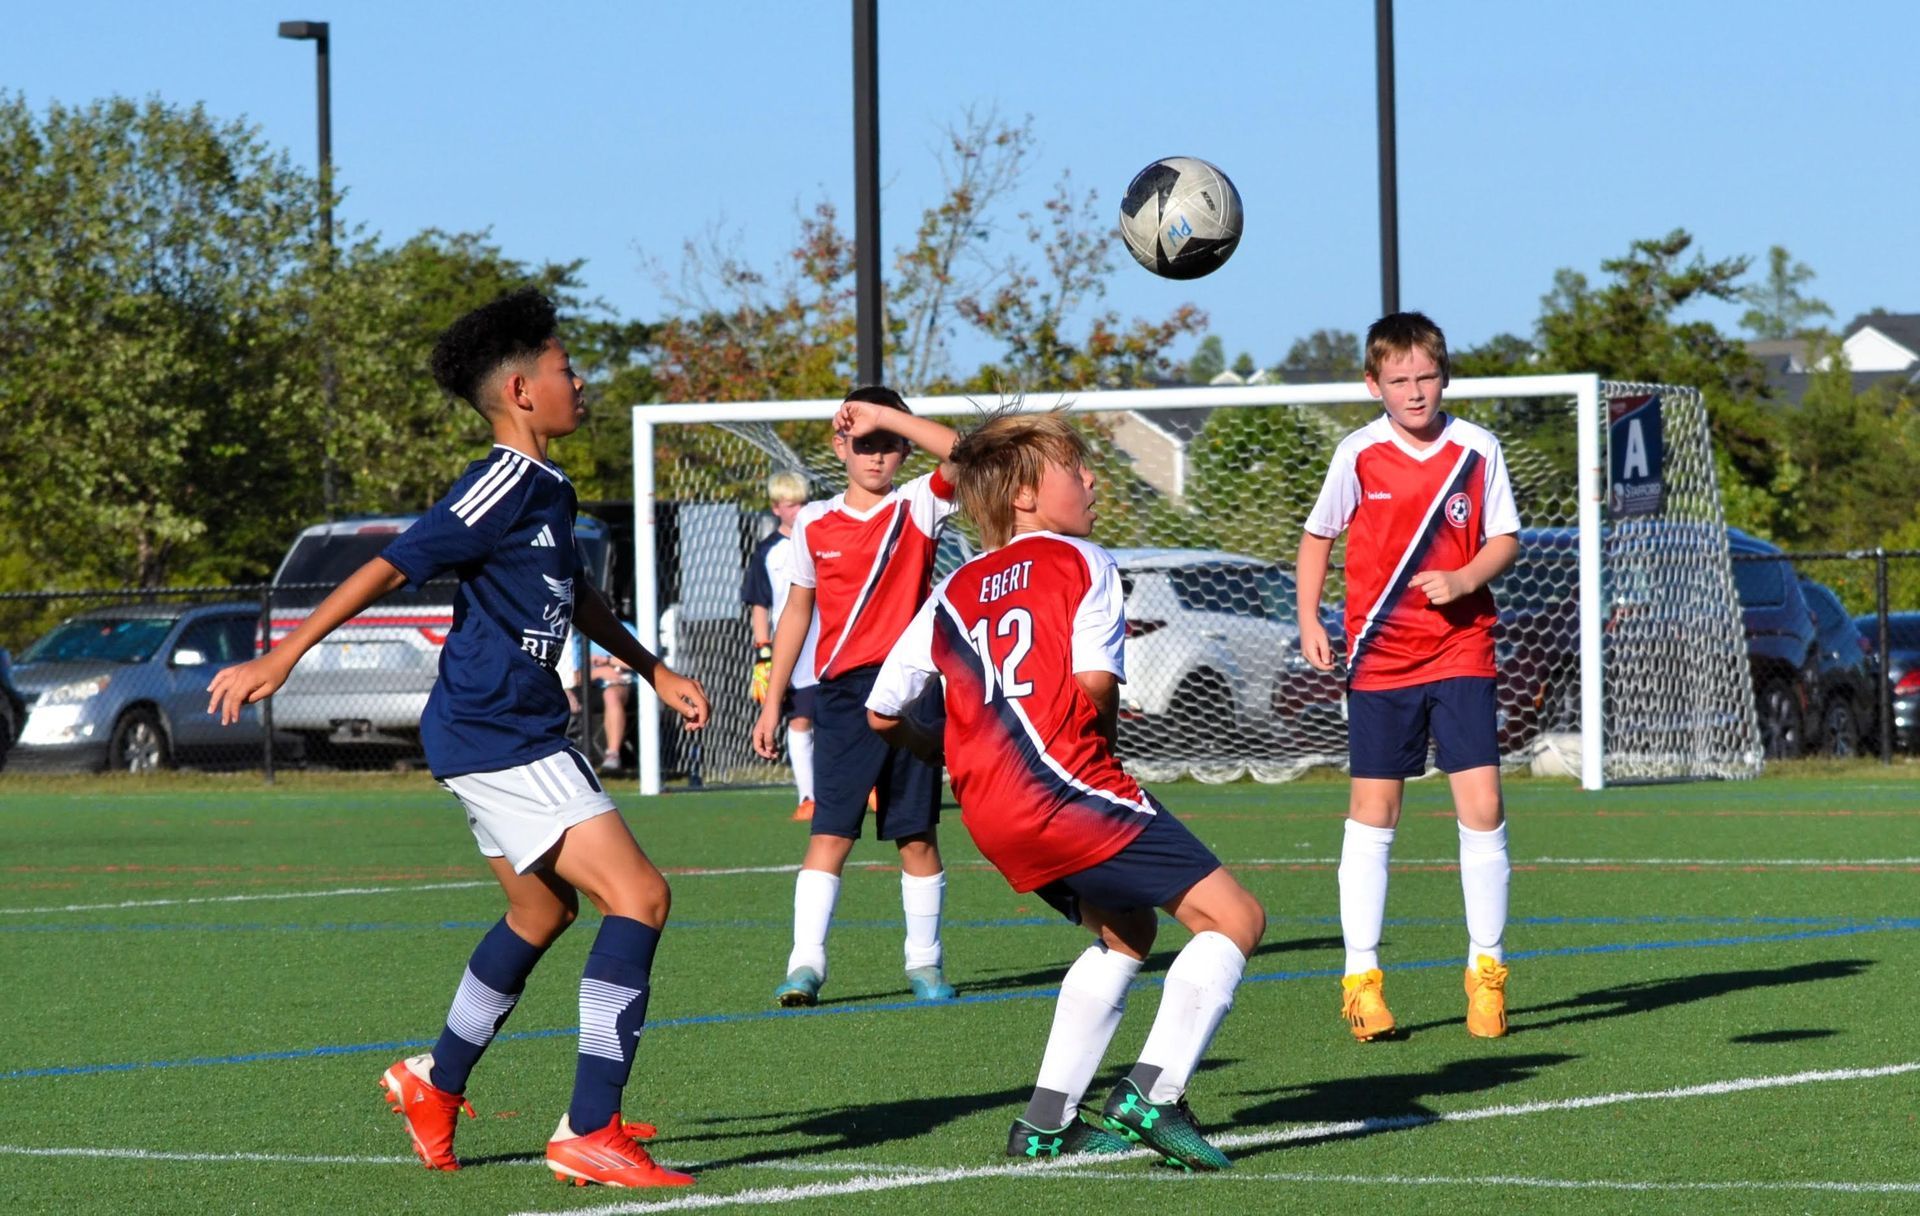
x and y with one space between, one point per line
1017 624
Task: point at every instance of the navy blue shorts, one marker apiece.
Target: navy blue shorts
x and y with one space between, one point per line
1160 864
1388 728
800 702
849 760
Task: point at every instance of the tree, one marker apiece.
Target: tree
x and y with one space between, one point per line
1209 360
1780 309
1324 355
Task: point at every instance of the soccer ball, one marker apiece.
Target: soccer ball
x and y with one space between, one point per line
1181 218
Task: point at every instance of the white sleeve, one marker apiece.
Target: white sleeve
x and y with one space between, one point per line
1100 622
1499 516
909 665
1339 496
800 554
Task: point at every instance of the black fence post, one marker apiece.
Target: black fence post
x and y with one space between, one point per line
266 706
1886 684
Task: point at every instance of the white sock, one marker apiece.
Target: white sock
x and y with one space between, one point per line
920 898
800 751
814 894
1092 997
1484 877
1363 893
1198 993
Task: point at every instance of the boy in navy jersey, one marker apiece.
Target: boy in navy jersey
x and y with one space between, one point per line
494 731
1432 522
863 559
1028 640
764 589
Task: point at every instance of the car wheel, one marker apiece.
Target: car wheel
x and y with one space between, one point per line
139 743
1781 728
1203 714
1839 732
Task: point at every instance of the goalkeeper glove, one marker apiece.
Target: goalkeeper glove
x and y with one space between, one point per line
762 672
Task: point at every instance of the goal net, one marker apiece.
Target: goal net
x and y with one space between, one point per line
1620 648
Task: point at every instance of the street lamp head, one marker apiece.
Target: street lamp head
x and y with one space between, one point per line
304 30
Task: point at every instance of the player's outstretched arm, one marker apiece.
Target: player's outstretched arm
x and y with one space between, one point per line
1310 575
243 684
684 696
1493 560
788 637
857 418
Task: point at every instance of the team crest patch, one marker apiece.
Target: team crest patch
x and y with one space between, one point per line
1458 508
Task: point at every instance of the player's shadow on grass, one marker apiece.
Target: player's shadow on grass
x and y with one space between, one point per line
1157 963
1645 996
1370 1105
862 1126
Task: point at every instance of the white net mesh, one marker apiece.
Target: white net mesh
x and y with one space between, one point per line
1202 494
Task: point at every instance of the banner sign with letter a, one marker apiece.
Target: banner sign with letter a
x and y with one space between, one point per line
1634 450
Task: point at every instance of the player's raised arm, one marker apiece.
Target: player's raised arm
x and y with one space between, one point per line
857 418
244 683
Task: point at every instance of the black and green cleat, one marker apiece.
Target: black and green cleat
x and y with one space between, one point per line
1166 1127
1031 1143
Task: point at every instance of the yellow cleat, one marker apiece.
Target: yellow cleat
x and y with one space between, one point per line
1364 1006
1486 998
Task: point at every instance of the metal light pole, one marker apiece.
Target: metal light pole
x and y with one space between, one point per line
866 186
316 33
1389 176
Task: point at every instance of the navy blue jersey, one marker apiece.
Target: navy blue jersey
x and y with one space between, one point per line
756 587
506 529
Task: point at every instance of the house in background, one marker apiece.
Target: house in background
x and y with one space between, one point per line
1879 347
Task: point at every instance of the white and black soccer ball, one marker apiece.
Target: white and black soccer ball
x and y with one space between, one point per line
1181 217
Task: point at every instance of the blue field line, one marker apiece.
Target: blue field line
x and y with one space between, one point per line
1881 925
893 923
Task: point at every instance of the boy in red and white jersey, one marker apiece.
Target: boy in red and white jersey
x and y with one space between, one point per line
862 561
1425 499
1028 641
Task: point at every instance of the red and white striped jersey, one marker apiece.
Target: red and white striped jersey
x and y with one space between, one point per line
1039 788
869 569
1412 509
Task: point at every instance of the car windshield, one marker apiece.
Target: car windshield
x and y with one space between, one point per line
326 560
121 640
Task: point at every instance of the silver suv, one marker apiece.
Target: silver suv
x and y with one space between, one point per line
366 684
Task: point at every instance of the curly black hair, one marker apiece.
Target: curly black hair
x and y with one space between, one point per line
518 325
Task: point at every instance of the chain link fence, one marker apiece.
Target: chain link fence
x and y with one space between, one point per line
116 679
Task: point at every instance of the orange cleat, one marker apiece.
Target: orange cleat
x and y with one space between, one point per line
1364 1005
804 812
1486 998
611 1156
431 1114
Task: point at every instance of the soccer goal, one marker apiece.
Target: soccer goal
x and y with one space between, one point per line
1620 645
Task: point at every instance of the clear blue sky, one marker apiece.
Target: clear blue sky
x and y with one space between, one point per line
1532 136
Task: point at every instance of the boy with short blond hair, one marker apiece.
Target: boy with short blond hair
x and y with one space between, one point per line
1028 640
863 560
765 590
1432 521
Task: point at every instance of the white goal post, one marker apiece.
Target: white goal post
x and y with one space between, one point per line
1620 646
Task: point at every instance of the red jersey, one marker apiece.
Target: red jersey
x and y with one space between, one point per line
1039 788
1412 509
869 569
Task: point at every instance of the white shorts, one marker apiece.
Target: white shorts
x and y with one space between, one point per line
520 813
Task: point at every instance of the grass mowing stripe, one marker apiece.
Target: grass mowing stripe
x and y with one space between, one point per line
1022 994
1552 1184
897 1179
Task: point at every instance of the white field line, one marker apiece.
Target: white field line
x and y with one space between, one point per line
897 1178
733 871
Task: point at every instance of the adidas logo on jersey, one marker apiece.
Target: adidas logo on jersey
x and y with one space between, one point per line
545 539
1379 495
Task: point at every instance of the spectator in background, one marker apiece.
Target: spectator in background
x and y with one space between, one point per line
764 590
614 679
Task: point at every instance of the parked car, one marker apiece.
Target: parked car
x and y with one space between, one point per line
126 688
1903 671
13 710
1845 697
365 685
1782 642
1208 634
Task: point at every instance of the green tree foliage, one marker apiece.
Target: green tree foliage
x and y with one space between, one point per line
1209 360
1780 309
1325 356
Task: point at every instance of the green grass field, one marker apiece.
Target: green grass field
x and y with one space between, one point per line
1713 1003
